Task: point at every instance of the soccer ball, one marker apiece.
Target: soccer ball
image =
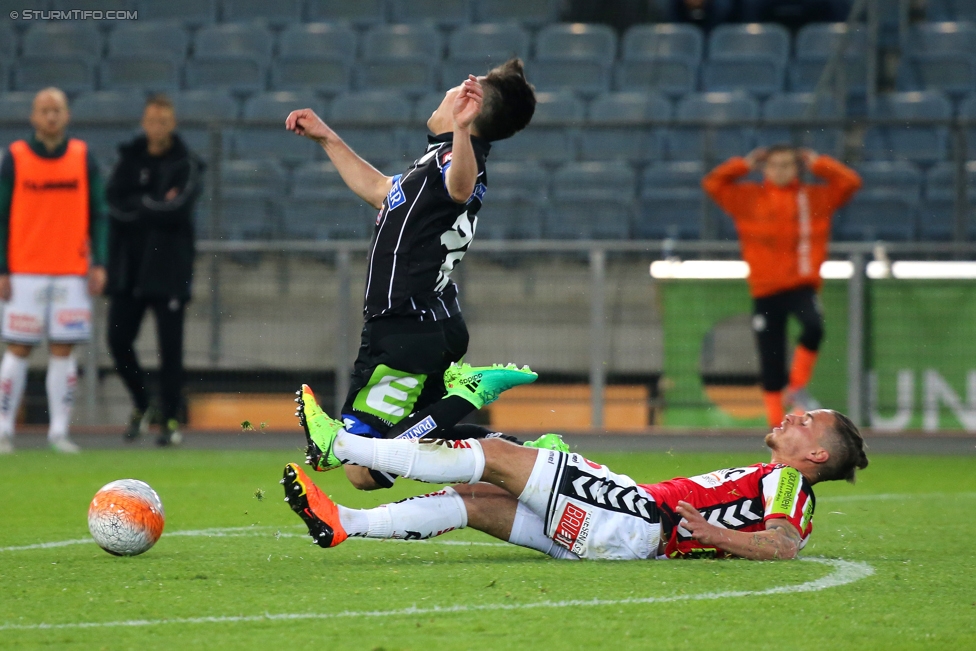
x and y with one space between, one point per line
126 517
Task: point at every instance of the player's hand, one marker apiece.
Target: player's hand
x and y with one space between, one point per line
809 157
96 280
756 157
467 104
5 287
306 123
701 530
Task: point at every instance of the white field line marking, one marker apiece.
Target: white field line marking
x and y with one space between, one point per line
845 572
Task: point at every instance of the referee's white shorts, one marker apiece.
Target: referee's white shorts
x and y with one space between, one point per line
590 510
54 307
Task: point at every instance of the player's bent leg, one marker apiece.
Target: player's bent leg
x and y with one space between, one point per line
320 431
361 478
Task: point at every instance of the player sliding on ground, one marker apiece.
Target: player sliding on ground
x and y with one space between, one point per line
569 507
427 219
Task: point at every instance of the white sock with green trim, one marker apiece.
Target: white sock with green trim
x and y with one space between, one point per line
415 518
435 462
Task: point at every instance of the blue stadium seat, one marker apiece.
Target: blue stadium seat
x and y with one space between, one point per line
400 58
15 107
151 73
937 212
193 13
803 75
314 57
475 49
942 38
261 141
70 75
669 40
107 106
691 143
322 207
4 75
909 142
251 192
876 215
616 128
967 110
663 74
950 73
514 205
447 13
526 12
8 44
233 74
591 200
362 13
527 179
673 212
204 105
825 139
760 75
669 176
369 123
818 41
424 106
752 39
574 56
74 40
551 136
897 177
277 13
168 40
93 5
248 41
950 10
315 177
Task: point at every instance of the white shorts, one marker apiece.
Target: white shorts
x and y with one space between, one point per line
590 510
56 307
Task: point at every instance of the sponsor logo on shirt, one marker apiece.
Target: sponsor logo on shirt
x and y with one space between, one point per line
420 429
573 528
46 186
396 198
479 193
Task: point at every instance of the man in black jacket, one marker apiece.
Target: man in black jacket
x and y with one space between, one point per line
151 197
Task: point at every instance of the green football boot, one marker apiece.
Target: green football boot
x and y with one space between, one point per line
548 441
481 385
320 431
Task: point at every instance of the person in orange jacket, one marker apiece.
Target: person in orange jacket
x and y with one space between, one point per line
784 230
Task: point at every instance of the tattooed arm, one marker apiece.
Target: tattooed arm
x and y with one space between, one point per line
780 540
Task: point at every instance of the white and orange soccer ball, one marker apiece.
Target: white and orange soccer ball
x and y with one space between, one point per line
126 517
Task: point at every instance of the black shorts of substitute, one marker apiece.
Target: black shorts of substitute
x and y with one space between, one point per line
769 320
400 370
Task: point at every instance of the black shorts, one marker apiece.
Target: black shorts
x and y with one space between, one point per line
769 322
400 370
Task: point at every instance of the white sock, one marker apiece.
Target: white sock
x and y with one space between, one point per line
528 530
13 379
61 381
438 462
415 518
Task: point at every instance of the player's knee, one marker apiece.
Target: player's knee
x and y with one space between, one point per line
20 350
812 335
360 478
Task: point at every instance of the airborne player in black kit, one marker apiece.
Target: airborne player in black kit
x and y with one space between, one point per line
414 333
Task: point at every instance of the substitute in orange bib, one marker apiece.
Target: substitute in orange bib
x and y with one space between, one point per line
784 230
53 239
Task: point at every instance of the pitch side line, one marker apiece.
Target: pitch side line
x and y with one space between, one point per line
845 572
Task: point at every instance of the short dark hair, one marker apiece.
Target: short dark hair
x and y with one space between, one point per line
846 449
784 147
509 102
160 101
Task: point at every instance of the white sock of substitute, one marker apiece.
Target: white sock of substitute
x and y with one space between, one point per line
528 530
415 518
435 463
13 379
62 378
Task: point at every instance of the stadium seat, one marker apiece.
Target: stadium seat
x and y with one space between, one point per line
670 40
447 13
937 212
668 176
751 39
8 45
663 74
73 40
233 74
362 13
322 207
876 215
277 13
368 122
673 212
924 144
160 39
824 139
204 106
692 142
803 75
950 10
93 5
400 58
616 128
4 75
192 13
70 75
248 41
574 56
897 177
757 74
139 72
264 140
587 77
107 106
526 12
551 136
475 49
954 74
15 108
315 177
314 57
591 200
942 38
251 191
819 40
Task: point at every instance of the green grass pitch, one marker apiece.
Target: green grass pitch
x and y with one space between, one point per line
254 582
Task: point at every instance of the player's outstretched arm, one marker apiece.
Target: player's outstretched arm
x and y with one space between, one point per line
781 540
366 181
463 172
